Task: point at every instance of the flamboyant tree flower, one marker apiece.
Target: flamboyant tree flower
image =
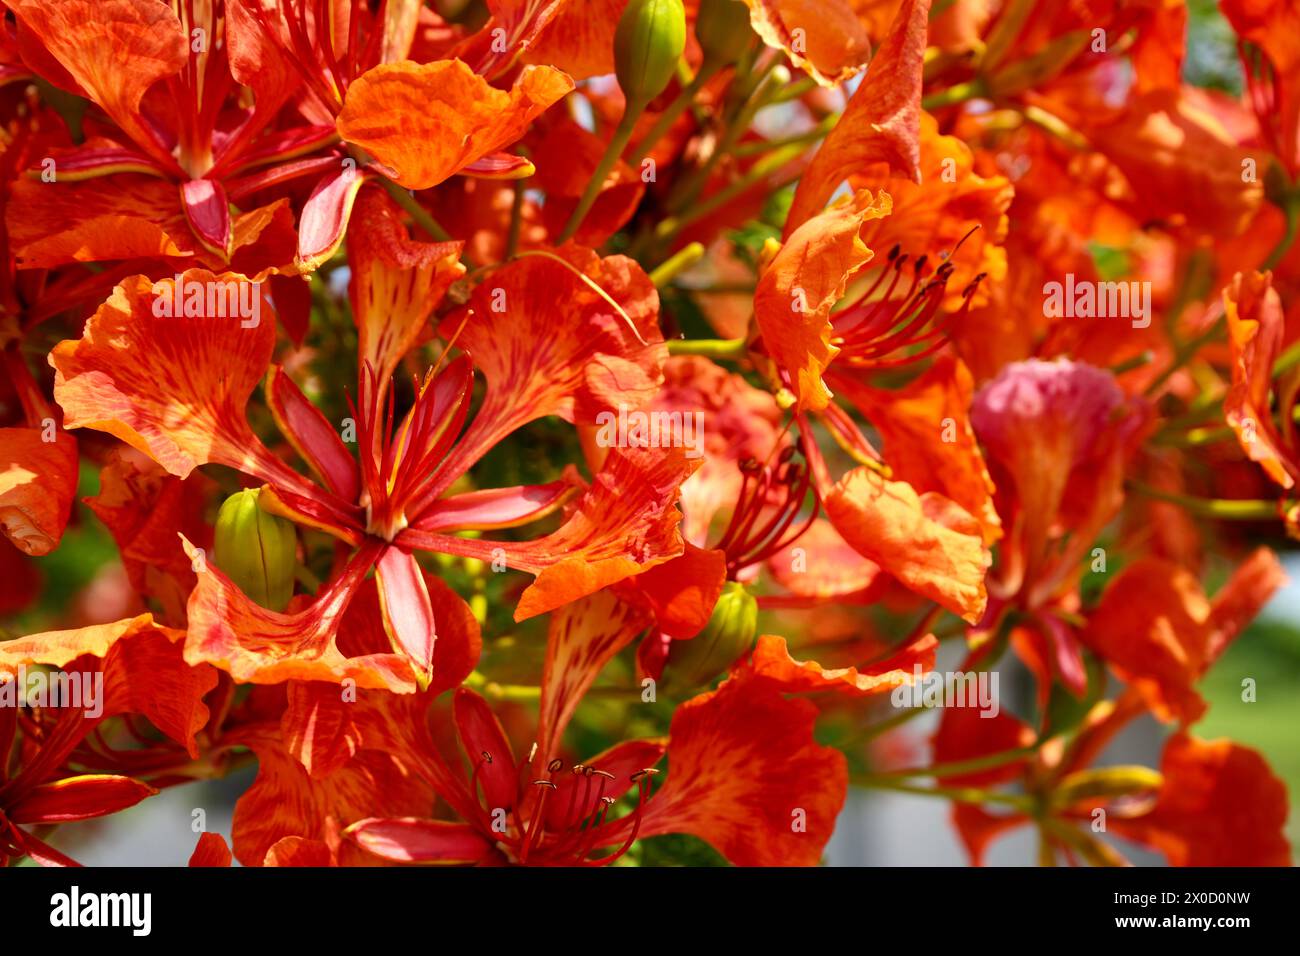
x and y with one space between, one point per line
131 667
1193 810
178 171
1057 437
741 761
394 500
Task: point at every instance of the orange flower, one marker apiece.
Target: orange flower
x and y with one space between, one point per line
394 501
137 668
741 762
1159 632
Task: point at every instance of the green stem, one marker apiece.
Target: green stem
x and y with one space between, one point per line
971 89
403 198
711 348
1241 509
818 132
1292 212
960 768
690 187
613 151
875 730
516 221
1133 362
1182 354
708 69
760 171
682 260
795 90
960 794
1054 125
1287 360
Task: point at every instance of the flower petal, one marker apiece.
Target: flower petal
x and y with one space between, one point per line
258 646
78 798
396 282
795 294
582 339
1157 630
143 508
1220 805
926 541
286 802
211 850
1255 330
825 38
745 774
582 638
425 122
173 387
771 661
312 436
881 122
414 840
37 482
928 439
407 611
326 213
114 49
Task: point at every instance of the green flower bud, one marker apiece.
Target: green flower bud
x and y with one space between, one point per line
728 635
722 28
256 549
648 42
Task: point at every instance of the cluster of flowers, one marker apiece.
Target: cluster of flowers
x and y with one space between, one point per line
459 385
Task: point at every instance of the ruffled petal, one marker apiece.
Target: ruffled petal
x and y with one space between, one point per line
771 661
1157 630
114 50
582 339
285 801
926 541
881 122
928 439
825 38
426 122
37 482
795 294
1219 805
174 388
258 646
1255 330
746 775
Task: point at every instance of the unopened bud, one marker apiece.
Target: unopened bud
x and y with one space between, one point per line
256 549
648 42
728 635
722 27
